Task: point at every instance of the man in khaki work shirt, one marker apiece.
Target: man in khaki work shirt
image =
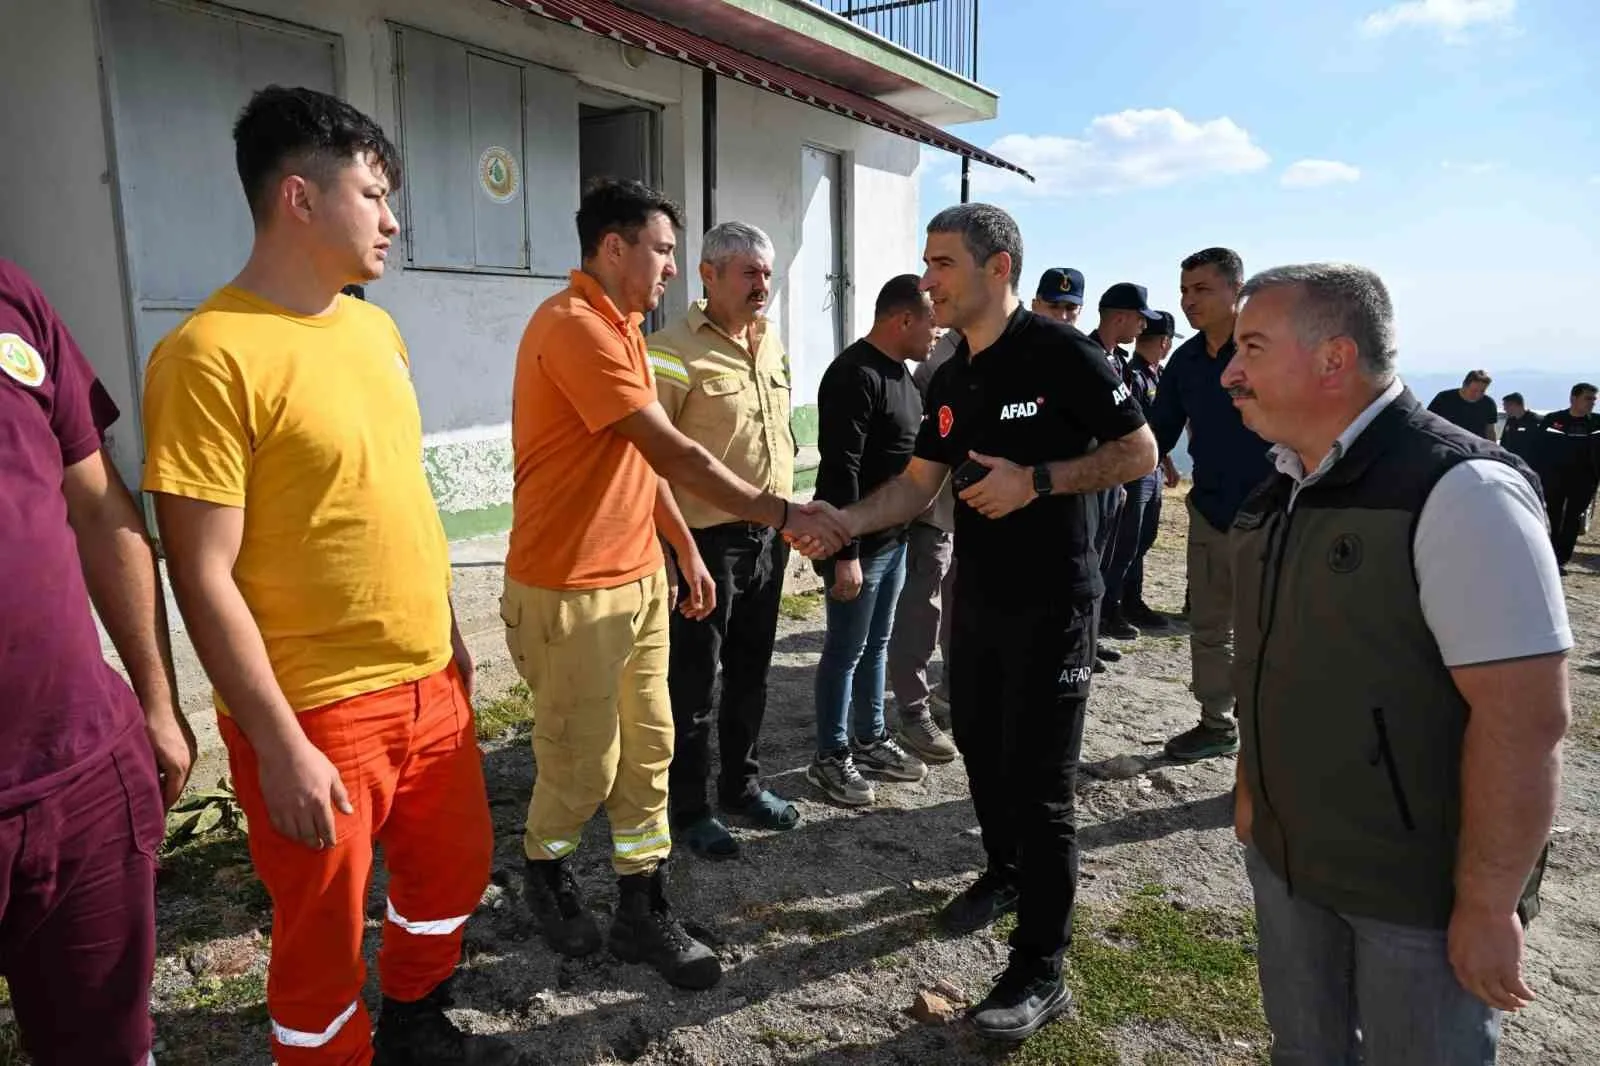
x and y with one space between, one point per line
723 379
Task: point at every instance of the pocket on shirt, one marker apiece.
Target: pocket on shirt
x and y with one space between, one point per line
722 385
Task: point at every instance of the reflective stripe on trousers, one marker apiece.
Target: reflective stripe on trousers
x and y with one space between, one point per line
296 1038
438 927
628 841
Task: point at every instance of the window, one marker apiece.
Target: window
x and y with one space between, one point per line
478 131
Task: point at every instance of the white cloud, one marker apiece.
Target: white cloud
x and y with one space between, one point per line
1450 17
1135 149
1315 173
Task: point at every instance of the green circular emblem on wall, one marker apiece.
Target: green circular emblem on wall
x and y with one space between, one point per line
497 173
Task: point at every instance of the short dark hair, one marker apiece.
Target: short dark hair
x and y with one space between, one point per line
986 230
1226 260
1581 388
1338 300
623 206
282 130
1513 397
902 292
1475 376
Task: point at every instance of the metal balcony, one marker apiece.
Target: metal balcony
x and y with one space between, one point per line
941 31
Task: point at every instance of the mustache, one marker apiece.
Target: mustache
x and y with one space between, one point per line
1240 392
756 297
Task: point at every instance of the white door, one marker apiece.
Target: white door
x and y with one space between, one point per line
819 288
179 73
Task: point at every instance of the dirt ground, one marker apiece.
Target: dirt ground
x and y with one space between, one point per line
826 931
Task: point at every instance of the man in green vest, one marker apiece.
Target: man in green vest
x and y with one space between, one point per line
1401 744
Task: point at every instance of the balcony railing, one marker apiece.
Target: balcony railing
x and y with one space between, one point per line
941 31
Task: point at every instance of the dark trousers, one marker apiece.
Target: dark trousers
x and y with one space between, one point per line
1135 533
77 912
747 563
1566 499
1019 682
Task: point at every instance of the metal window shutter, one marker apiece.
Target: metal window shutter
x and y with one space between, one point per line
500 218
440 166
552 185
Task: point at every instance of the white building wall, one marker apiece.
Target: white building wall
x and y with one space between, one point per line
759 139
462 329
57 218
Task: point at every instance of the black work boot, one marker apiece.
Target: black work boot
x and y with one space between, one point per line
1115 626
644 930
982 903
552 894
420 1034
1027 995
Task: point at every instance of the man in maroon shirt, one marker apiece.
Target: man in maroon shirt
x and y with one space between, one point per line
85 765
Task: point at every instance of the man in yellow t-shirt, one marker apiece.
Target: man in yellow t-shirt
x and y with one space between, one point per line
284 449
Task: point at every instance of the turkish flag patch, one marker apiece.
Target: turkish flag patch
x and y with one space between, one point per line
947 419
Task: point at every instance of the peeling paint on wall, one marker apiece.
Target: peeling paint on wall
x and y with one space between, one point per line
470 469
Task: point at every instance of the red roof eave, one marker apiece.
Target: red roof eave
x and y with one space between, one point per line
607 19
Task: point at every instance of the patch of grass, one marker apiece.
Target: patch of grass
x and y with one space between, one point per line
191 868
1154 963
512 711
227 994
10 1039
802 606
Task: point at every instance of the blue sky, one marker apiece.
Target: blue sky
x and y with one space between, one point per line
1451 145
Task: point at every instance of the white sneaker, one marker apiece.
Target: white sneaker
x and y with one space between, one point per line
886 758
836 775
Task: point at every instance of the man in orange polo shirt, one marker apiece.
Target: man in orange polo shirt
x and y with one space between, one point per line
587 594
308 559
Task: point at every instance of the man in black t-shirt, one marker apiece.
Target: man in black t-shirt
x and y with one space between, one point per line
868 411
1014 413
1567 460
1469 406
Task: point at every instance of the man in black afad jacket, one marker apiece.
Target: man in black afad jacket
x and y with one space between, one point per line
1567 458
1520 434
1401 745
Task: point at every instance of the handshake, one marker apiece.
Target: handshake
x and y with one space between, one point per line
817 530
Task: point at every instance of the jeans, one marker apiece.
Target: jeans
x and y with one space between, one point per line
1341 989
1135 533
855 652
1019 683
747 564
922 620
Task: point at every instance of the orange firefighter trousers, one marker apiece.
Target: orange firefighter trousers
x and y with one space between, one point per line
409 760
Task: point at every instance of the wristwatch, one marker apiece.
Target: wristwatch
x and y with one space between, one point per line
1041 480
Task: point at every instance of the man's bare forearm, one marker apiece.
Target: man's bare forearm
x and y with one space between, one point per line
1510 785
893 503
670 525
230 647
1116 462
1508 803
120 569
698 472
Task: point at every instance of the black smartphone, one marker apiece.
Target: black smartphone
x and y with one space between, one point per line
969 474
